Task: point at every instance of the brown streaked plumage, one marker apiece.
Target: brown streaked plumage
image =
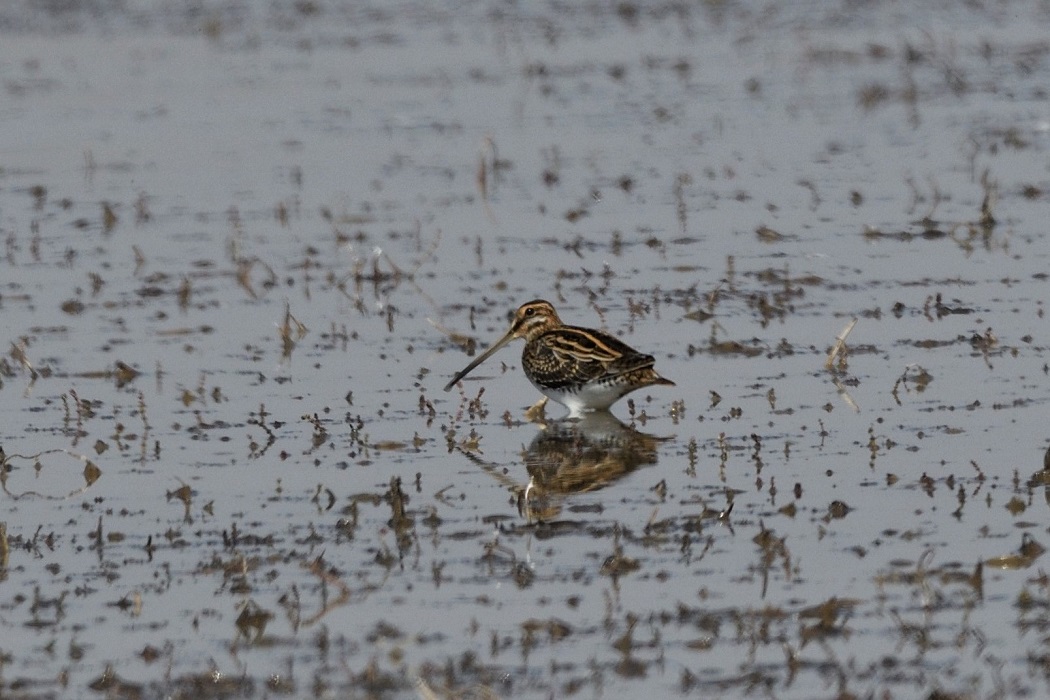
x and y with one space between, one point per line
580 368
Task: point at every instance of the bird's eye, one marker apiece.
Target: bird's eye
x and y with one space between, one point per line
530 312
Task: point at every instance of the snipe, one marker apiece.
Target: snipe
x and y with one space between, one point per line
582 369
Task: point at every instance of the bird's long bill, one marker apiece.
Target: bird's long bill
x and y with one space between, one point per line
480 358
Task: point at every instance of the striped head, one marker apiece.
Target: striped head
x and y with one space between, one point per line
533 319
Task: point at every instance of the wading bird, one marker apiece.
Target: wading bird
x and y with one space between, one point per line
580 368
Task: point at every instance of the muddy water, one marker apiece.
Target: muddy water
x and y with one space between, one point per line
244 249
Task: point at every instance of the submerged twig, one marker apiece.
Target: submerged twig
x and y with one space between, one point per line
487 154
840 344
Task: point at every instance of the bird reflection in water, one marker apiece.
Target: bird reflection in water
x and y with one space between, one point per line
578 455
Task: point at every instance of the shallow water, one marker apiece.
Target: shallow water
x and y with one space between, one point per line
245 248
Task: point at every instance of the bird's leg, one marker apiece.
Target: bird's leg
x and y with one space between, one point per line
536 413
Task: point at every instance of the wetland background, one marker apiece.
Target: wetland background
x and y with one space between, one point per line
246 244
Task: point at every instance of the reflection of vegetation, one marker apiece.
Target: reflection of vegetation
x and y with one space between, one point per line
1033 604
1025 556
914 374
90 474
251 622
291 331
1041 478
930 581
400 521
